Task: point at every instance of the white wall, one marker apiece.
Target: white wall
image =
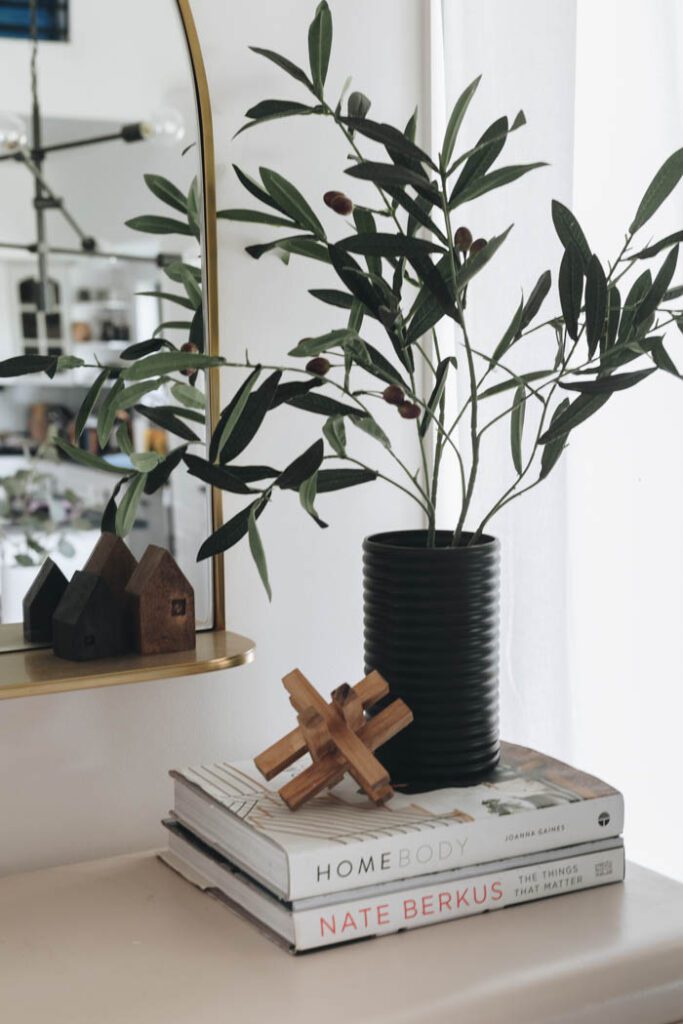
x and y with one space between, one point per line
84 774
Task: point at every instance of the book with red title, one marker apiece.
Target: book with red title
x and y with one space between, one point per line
387 907
339 841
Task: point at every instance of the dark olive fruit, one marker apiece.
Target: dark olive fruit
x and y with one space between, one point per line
477 245
408 410
463 239
393 395
338 202
319 366
189 346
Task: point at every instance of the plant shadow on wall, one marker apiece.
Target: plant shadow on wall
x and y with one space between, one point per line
403 263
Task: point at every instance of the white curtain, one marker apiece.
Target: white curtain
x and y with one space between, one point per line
625 470
593 558
525 54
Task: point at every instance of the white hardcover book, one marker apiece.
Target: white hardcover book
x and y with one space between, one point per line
390 907
340 841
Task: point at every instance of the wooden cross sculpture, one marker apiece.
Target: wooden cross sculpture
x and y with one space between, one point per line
338 737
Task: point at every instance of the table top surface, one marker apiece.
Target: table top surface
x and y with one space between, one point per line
127 941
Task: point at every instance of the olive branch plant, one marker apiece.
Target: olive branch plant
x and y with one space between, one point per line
402 266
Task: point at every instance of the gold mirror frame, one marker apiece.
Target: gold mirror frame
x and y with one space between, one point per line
209 247
33 671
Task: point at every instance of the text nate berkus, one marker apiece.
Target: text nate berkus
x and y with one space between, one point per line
447 902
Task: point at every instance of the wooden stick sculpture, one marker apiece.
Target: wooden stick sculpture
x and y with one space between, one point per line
338 737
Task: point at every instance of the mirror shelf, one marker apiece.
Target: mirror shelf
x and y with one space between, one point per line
34 671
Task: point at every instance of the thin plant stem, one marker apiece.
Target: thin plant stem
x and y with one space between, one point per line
425 466
425 490
497 366
566 370
380 476
351 141
349 394
425 356
474 439
513 487
436 423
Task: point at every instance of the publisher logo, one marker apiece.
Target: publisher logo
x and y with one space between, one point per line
603 819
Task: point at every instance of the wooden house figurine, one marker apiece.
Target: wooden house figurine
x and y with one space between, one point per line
160 605
41 600
89 621
111 559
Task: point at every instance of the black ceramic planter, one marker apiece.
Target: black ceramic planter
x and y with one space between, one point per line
431 618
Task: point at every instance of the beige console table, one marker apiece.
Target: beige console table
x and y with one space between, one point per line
125 941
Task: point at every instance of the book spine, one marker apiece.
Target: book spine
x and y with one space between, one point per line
432 904
443 844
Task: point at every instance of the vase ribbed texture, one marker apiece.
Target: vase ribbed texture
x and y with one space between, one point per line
431 627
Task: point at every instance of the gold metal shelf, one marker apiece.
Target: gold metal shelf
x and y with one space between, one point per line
34 671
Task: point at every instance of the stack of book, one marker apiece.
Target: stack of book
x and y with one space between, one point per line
340 868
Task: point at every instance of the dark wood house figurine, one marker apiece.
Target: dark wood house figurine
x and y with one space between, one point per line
90 620
111 559
40 602
160 604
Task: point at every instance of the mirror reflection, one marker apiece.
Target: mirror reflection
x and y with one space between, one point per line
94 120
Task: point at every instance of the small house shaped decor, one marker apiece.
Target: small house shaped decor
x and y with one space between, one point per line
111 559
160 605
90 621
40 602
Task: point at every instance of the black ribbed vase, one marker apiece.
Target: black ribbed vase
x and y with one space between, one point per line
431 618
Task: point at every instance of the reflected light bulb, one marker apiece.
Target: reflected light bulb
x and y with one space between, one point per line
165 125
13 135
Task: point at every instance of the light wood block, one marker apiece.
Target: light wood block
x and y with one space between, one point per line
328 771
365 768
333 734
293 746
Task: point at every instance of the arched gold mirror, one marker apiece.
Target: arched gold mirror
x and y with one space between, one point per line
107 238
